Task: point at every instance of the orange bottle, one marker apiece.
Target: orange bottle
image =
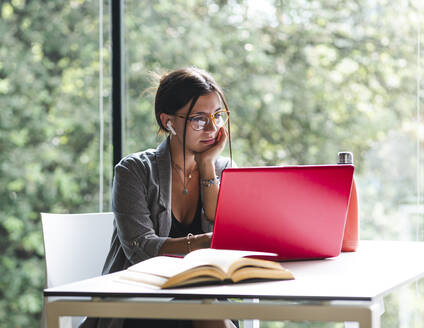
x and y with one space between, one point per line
351 232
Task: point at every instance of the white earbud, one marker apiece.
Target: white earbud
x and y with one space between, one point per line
169 125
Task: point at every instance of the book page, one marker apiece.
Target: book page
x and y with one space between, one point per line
221 258
200 273
139 277
164 266
252 262
261 273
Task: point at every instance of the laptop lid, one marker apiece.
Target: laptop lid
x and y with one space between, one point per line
298 212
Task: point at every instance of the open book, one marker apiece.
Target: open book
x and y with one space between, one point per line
203 266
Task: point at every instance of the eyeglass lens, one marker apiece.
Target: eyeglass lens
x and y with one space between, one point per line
201 121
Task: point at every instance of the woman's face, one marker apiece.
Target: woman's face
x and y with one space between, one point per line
198 141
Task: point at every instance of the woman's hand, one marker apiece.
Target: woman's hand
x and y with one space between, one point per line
209 156
180 246
202 241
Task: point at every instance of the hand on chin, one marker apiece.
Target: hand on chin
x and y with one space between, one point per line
213 148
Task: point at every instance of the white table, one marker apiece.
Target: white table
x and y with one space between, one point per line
349 287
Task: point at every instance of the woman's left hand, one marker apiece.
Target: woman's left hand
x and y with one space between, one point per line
209 156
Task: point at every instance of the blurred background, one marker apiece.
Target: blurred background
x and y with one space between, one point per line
303 79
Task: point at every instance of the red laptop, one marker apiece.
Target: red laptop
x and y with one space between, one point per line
298 212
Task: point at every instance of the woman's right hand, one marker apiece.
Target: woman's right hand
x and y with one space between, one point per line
204 158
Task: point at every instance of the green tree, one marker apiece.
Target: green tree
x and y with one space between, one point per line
49 85
304 80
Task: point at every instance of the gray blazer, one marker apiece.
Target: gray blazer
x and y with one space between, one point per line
142 206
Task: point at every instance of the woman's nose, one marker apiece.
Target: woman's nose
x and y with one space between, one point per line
211 125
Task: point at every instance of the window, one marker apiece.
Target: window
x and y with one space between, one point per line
50 134
304 80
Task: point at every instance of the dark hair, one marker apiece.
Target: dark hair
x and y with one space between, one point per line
177 88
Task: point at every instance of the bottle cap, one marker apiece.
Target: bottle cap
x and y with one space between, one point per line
344 157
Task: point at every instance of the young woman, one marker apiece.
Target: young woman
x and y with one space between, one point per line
164 200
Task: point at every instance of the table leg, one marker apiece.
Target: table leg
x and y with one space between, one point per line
53 316
251 323
371 319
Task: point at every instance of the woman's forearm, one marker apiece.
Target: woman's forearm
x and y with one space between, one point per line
182 246
210 193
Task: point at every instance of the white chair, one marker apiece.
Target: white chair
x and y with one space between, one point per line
76 246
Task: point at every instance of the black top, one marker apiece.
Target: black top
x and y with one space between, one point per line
179 229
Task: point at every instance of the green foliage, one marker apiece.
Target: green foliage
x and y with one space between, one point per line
308 79
49 143
303 79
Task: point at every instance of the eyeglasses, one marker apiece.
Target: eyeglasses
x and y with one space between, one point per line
201 121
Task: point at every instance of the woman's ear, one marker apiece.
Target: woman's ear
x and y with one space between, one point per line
164 118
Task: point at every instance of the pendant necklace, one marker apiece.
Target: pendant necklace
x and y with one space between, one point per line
178 169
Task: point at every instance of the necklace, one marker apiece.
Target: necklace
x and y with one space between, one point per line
179 170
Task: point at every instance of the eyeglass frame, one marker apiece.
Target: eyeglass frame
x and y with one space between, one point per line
208 116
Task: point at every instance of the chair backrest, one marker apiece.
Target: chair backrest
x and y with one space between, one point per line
76 245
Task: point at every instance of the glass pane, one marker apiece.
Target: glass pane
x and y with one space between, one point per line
49 136
304 80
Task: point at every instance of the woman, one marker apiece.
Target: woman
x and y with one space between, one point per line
164 200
